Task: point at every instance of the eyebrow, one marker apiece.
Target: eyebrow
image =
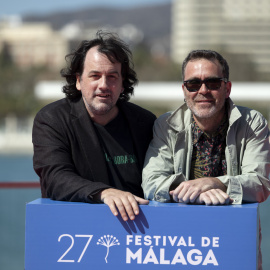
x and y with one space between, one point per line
197 78
110 72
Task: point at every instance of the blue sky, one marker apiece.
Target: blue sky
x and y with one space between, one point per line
23 7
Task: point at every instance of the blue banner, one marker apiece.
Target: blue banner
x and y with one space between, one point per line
64 235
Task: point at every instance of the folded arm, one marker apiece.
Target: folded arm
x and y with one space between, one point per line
55 165
208 190
248 178
159 173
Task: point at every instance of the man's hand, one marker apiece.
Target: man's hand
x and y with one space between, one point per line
213 197
189 191
124 202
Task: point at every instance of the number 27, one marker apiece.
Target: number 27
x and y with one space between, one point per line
71 245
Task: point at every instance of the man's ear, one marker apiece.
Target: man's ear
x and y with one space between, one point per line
183 88
228 89
78 81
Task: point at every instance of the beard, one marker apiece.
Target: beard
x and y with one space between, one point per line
204 111
100 108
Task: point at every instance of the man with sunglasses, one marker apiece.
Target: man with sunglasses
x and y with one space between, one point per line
209 151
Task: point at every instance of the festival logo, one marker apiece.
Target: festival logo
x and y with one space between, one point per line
108 241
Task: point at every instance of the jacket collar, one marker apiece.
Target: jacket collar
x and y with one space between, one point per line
89 142
180 119
234 113
78 108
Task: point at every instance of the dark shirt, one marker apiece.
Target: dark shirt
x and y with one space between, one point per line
121 159
208 156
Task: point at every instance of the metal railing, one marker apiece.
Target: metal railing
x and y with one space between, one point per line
19 185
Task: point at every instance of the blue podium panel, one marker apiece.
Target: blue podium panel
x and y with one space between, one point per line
80 236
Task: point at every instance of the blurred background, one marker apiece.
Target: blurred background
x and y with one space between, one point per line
36 36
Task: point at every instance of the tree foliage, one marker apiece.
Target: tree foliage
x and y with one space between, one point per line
150 67
17 88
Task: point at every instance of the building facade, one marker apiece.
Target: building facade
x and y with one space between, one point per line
33 44
236 27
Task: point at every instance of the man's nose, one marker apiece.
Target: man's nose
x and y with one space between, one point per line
203 89
103 84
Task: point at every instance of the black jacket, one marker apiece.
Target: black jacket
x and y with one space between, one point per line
68 157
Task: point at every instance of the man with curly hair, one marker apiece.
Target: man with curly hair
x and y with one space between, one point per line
90 146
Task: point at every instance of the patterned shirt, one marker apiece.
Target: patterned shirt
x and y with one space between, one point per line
208 156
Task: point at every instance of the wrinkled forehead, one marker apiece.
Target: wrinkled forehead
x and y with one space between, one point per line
203 67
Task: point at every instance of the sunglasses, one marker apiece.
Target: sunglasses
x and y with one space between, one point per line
211 83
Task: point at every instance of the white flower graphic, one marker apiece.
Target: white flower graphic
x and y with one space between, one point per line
108 241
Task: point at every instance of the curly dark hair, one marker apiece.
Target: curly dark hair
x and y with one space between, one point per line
209 55
116 51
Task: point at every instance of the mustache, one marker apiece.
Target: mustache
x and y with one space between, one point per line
203 97
105 92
